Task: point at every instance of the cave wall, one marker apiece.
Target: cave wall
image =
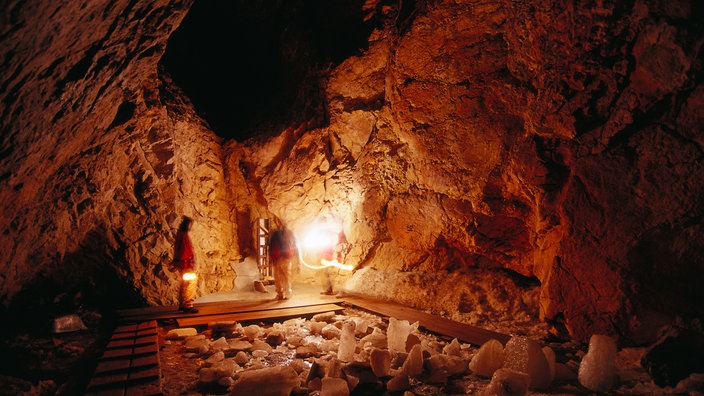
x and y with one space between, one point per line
97 169
558 140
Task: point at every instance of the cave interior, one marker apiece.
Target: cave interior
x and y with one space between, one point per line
508 165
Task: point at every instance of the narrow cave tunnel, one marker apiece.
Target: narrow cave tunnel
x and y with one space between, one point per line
254 68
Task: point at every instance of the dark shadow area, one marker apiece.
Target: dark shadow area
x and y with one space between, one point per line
84 280
35 341
668 277
251 67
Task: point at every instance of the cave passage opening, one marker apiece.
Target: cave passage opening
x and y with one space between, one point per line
253 68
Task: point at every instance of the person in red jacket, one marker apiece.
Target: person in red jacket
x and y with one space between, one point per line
185 262
281 249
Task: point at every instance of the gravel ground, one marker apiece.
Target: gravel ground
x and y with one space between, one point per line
180 370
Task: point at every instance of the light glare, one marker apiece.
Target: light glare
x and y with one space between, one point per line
189 276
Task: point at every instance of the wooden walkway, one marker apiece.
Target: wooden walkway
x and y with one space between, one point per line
279 313
130 363
245 310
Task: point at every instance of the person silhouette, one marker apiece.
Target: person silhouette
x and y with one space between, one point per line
281 249
185 262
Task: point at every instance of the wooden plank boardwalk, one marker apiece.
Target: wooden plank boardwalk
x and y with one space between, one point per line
279 313
130 364
257 308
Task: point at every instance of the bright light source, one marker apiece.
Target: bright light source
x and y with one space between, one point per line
189 276
321 237
335 263
320 241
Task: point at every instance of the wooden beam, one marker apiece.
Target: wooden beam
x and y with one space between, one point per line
433 323
257 315
135 315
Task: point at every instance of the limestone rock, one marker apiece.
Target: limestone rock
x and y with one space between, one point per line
597 370
274 338
222 369
550 356
453 348
215 357
223 328
68 323
334 387
525 355
398 382
326 317
274 381
413 365
220 344
252 332
488 359
330 332
397 334
305 351
376 339
260 345
507 382
197 344
240 345
348 342
449 364
241 357
380 362
317 327
181 332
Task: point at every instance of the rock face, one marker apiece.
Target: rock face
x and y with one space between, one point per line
100 157
558 141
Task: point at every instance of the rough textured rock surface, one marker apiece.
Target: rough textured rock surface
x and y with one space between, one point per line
101 157
560 141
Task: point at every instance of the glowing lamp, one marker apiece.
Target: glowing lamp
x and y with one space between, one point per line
189 276
322 239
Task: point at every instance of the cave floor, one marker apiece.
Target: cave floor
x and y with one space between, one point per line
131 361
134 356
236 306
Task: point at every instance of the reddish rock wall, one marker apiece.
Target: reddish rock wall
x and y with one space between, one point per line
100 158
540 138
561 141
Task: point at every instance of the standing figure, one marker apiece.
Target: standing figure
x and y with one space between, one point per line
333 254
327 257
185 262
281 248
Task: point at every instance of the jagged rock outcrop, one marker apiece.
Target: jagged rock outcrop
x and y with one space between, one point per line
560 141
100 157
